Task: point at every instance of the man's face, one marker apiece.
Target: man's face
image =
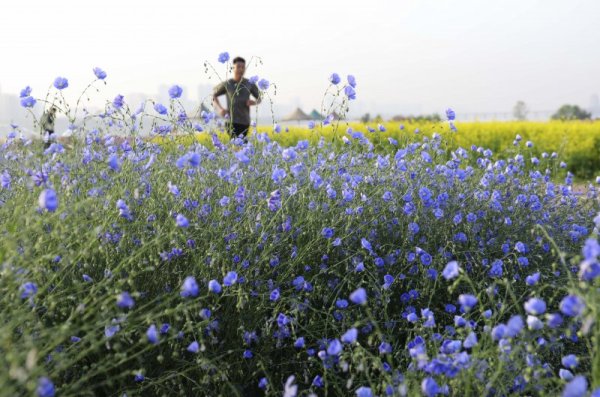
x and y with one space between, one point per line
238 69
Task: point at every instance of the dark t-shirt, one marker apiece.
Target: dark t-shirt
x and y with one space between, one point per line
237 95
47 122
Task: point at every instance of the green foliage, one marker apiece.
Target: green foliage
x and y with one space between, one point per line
571 112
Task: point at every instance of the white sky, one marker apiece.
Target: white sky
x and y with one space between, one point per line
407 55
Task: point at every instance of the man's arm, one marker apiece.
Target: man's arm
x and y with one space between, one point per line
218 91
256 94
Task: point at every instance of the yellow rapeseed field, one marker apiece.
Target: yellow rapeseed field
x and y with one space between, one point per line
576 142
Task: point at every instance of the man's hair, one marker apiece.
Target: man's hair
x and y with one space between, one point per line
238 59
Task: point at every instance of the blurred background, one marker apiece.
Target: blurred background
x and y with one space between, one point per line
505 60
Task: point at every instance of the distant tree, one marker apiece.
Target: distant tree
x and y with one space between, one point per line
378 119
365 118
520 111
435 117
571 112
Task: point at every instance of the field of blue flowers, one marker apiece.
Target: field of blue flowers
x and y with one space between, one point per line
135 268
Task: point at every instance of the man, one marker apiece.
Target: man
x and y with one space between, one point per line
238 90
47 126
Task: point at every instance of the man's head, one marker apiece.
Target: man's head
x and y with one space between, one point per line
239 67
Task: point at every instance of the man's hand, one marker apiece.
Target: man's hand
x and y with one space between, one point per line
223 112
250 102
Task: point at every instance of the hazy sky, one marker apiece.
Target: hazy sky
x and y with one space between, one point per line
407 55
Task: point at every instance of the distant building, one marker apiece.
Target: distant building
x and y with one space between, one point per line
297 115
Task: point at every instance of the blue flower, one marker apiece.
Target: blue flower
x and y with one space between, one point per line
514 326
450 115
388 280
497 269
175 91
100 74
352 81
160 109
118 101
576 387
262 383
470 340
205 313
139 377
274 295
359 296
534 323
520 247
554 320
385 348
290 389
589 270
535 306
125 301
572 305
565 374
429 387
223 57
425 258
263 84
28 102
327 232
274 200
113 162
193 347
152 334
28 290
45 387
317 381
350 92
591 249
61 83
413 228
278 175
451 270
334 348
532 279
350 336
181 221
299 343
334 78
467 302
25 92
214 286
366 244
48 200
364 391
570 361
230 279
189 288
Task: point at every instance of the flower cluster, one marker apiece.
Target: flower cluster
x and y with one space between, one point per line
387 269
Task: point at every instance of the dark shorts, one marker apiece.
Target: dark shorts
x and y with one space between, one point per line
238 130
